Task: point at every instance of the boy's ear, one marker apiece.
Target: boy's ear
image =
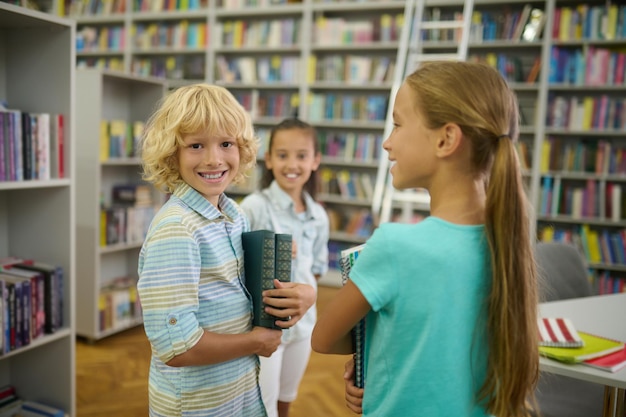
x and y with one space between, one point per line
449 140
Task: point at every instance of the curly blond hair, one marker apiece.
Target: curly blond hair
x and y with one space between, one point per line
191 109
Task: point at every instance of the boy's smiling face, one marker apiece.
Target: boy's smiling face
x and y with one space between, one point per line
208 163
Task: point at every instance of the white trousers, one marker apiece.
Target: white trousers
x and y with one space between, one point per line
281 373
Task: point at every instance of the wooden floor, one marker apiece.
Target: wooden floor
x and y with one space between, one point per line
112 377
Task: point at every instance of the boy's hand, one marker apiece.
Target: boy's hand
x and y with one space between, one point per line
354 395
289 300
267 340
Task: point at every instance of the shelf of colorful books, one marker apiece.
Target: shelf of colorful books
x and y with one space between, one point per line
255 8
37 216
115 204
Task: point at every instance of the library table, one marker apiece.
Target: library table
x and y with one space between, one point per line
604 315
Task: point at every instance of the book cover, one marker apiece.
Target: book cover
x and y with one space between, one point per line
594 347
558 332
265 258
612 362
53 293
34 409
347 259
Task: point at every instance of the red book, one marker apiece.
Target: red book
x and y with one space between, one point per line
612 362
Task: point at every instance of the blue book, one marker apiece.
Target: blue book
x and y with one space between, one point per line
347 259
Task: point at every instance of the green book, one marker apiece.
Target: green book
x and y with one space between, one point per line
594 347
267 255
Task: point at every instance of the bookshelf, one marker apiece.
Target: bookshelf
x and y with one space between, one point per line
37 216
580 197
330 36
109 234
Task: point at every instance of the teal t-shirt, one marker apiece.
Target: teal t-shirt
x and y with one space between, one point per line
426 348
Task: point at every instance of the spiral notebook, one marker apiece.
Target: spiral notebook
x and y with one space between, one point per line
558 332
347 259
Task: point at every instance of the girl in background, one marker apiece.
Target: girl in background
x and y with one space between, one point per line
287 204
450 302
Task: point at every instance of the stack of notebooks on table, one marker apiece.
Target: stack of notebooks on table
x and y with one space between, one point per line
560 340
267 256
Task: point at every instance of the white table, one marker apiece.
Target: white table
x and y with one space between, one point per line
604 315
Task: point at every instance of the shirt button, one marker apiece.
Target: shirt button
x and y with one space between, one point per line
172 321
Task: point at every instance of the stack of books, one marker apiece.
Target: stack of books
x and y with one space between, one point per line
560 340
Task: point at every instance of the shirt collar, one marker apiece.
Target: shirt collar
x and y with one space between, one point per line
283 201
202 206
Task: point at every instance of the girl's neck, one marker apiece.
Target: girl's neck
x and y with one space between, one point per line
460 205
299 205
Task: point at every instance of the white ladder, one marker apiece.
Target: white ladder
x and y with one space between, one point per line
410 56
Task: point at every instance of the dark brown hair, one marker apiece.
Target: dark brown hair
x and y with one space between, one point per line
313 184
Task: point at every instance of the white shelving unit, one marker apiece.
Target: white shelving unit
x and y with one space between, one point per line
497 44
106 96
37 217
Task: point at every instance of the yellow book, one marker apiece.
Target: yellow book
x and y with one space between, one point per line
545 156
103 228
594 347
611 25
595 256
587 112
104 140
311 69
547 234
565 24
238 33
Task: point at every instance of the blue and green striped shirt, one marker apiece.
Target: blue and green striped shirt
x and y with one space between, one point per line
191 278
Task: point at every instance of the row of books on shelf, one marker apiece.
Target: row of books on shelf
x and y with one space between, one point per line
13 405
168 5
179 34
350 146
265 69
588 66
108 63
592 22
128 217
597 156
580 199
120 139
598 245
340 31
520 24
267 103
31 301
351 69
100 38
235 4
513 68
120 224
587 112
118 304
168 66
357 222
259 33
347 184
78 8
31 145
347 107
